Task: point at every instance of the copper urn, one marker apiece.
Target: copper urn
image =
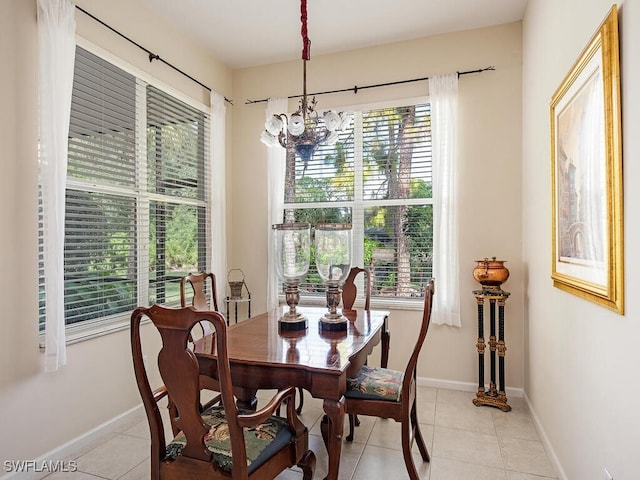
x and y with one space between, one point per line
490 273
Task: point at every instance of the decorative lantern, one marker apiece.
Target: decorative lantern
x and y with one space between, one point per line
235 286
292 248
333 260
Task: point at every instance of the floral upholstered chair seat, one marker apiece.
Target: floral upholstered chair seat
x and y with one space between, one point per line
375 384
261 441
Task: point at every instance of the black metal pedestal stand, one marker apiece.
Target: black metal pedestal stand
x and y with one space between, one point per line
494 397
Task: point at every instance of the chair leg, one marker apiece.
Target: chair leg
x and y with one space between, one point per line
417 435
324 430
352 421
406 451
408 461
308 465
299 407
411 431
301 395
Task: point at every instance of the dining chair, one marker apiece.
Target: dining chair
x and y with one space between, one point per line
211 441
350 290
203 291
385 393
349 295
203 297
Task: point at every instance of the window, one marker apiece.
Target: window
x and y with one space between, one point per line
136 197
377 177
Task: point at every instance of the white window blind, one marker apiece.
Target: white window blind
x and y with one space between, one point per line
378 178
137 196
178 190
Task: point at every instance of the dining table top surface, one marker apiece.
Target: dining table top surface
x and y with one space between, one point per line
260 340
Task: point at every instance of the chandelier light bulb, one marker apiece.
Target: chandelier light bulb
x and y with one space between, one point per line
332 120
345 120
332 138
268 139
274 125
296 125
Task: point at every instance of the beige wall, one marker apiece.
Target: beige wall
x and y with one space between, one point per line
490 177
582 362
39 412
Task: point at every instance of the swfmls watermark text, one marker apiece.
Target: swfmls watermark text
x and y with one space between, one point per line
34 466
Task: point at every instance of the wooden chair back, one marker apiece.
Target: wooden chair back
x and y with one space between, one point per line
350 290
183 383
203 286
410 370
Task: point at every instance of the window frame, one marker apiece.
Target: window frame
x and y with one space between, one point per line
88 329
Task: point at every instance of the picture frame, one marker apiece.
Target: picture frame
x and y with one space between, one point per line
586 174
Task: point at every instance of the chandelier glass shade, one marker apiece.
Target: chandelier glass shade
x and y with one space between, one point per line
305 129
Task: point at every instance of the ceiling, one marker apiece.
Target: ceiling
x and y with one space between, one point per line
245 33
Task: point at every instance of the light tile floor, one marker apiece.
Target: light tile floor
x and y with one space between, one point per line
465 443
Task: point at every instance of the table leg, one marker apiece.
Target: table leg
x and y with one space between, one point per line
246 398
331 428
386 339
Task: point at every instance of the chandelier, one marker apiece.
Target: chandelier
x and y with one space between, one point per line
305 129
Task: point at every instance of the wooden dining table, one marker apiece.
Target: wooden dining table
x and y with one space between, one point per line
263 356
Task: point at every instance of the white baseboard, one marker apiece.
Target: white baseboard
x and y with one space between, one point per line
553 458
463 386
60 456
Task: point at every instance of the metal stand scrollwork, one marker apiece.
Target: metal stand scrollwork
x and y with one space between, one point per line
494 397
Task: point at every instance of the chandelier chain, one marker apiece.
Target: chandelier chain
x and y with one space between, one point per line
306 43
305 129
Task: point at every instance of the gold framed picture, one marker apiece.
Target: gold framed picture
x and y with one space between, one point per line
586 174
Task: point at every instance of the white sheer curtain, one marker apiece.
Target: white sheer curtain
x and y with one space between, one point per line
57 46
443 96
218 192
276 165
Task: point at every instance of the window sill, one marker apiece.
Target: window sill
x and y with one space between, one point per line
87 330
412 304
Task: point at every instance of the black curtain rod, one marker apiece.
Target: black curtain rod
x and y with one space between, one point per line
355 88
152 56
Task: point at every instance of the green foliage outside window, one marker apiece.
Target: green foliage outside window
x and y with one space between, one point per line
395 146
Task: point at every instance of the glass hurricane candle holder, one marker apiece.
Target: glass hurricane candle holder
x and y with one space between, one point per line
293 249
333 261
